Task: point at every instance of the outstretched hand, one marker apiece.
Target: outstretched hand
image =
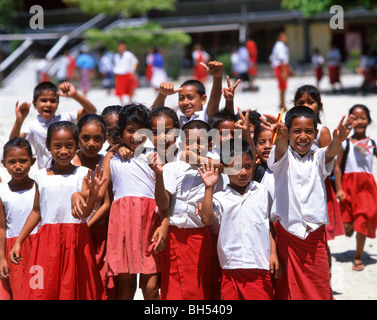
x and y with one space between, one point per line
167 89
228 92
22 110
95 181
66 89
214 68
344 128
209 174
270 123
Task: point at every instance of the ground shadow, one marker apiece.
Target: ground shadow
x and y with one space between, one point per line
350 91
347 256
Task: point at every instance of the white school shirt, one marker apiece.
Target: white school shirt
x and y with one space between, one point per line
55 193
279 54
198 115
36 134
268 181
125 63
318 60
358 158
17 207
132 177
244 238
184 183
300 194
334 57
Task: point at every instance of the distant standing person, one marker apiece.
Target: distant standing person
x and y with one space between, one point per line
240 65
318 61
279 59
86 63
334 62
198 56
159 74
105 68
251 46
125 66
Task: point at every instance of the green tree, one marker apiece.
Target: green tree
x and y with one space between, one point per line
125 8
8 10
310 7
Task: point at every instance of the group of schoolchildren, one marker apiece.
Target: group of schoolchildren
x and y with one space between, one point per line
243 215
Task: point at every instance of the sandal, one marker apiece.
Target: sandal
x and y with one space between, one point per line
358 266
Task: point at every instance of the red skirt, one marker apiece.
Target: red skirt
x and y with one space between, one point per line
99 237
17 272
307 274
62 265
282 82
360 204
186 264
335 227
132 222
246 284
124 84
334 72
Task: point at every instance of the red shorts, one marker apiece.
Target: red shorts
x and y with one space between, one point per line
334 74
318 73
282 82
186 265
305 261
124 84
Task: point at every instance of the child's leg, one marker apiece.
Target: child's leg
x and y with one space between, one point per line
358 260
126 286
149 286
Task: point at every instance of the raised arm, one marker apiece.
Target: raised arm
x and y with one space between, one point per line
281 142
166 89
228 94
214 68
21 113
68 90
340 134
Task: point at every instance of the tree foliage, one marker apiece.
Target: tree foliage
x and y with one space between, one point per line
139 38
310 7
125 8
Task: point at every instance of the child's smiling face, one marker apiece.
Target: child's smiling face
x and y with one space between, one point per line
190 101
361 121
302 134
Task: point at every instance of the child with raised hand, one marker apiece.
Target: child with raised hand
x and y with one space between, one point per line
248 257
192 96
62 250
299 205
355 184
46 100
135 233
309 96
16 202
186 261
